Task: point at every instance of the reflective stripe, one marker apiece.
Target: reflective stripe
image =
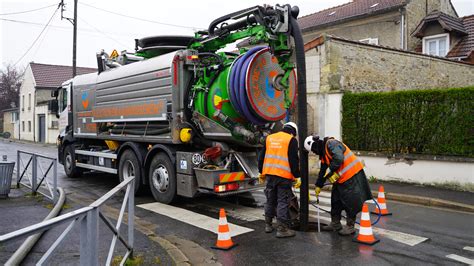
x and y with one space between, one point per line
365 216
366 231
348 155
276 160
270 156
223 236
278 166
348 167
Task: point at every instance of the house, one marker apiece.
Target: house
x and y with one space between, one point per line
10 122
383 22
444 35
36 121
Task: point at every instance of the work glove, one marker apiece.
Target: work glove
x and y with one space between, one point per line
297 183
332 177
317 190
261 178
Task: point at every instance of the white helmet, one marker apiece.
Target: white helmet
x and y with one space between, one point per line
308 142
293 125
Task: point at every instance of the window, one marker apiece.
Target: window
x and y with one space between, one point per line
54 124
62 99
29 101
14 117
29 126
370 41
23 103
23 126
436 45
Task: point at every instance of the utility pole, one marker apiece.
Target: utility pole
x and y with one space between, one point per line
74 34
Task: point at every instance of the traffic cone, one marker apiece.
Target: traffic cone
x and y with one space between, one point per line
365 235
224 241
381 203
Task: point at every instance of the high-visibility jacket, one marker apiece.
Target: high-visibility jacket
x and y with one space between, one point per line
350 166
276 160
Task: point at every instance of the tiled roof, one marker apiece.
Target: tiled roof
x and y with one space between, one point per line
352 10
447 22
52 76
466 45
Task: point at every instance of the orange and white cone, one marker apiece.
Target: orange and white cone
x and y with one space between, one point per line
381 203
224 241
365 235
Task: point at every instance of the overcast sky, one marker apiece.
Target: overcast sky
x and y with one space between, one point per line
101 30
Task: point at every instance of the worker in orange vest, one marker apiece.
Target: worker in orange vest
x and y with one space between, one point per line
346 173
278 164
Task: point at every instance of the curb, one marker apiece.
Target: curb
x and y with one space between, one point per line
419 200
432 202
176 255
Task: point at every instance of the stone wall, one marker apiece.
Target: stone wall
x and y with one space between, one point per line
357 67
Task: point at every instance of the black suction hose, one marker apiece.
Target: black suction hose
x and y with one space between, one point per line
302 123
374 223
215 22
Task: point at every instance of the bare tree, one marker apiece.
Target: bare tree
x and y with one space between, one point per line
10 82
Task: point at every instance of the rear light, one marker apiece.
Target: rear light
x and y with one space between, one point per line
226 187
232 186
219 188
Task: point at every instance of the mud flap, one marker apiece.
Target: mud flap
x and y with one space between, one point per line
248 163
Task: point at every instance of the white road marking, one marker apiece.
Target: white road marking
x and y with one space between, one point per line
460 259
469 248
192 218
404 238
254 214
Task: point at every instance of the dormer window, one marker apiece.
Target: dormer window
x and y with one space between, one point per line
374 5
332 13
436 44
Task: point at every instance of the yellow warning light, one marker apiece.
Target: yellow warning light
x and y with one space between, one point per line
194 56
114 54
185 134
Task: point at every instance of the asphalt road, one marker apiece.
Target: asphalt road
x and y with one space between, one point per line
414 235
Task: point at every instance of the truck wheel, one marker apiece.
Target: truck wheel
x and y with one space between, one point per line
162 179
129 167
69 162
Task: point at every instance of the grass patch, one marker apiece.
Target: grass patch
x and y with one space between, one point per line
137 260
372 179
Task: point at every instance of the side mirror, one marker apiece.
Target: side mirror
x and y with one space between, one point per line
53 107
55 93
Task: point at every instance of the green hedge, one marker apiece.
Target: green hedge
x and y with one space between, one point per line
435 122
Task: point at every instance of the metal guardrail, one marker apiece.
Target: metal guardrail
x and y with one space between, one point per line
88 219
32 168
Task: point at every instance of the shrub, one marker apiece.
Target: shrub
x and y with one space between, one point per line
435 121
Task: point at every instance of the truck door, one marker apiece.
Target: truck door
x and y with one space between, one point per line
64 104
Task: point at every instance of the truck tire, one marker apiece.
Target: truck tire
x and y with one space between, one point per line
129 166
69 162
162 179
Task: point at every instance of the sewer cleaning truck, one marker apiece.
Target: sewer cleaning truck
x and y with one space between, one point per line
181 114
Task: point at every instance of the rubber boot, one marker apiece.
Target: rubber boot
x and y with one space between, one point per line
284 231
268 224
349 229
334 226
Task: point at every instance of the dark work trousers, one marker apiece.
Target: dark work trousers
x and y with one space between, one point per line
350 196
278 193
